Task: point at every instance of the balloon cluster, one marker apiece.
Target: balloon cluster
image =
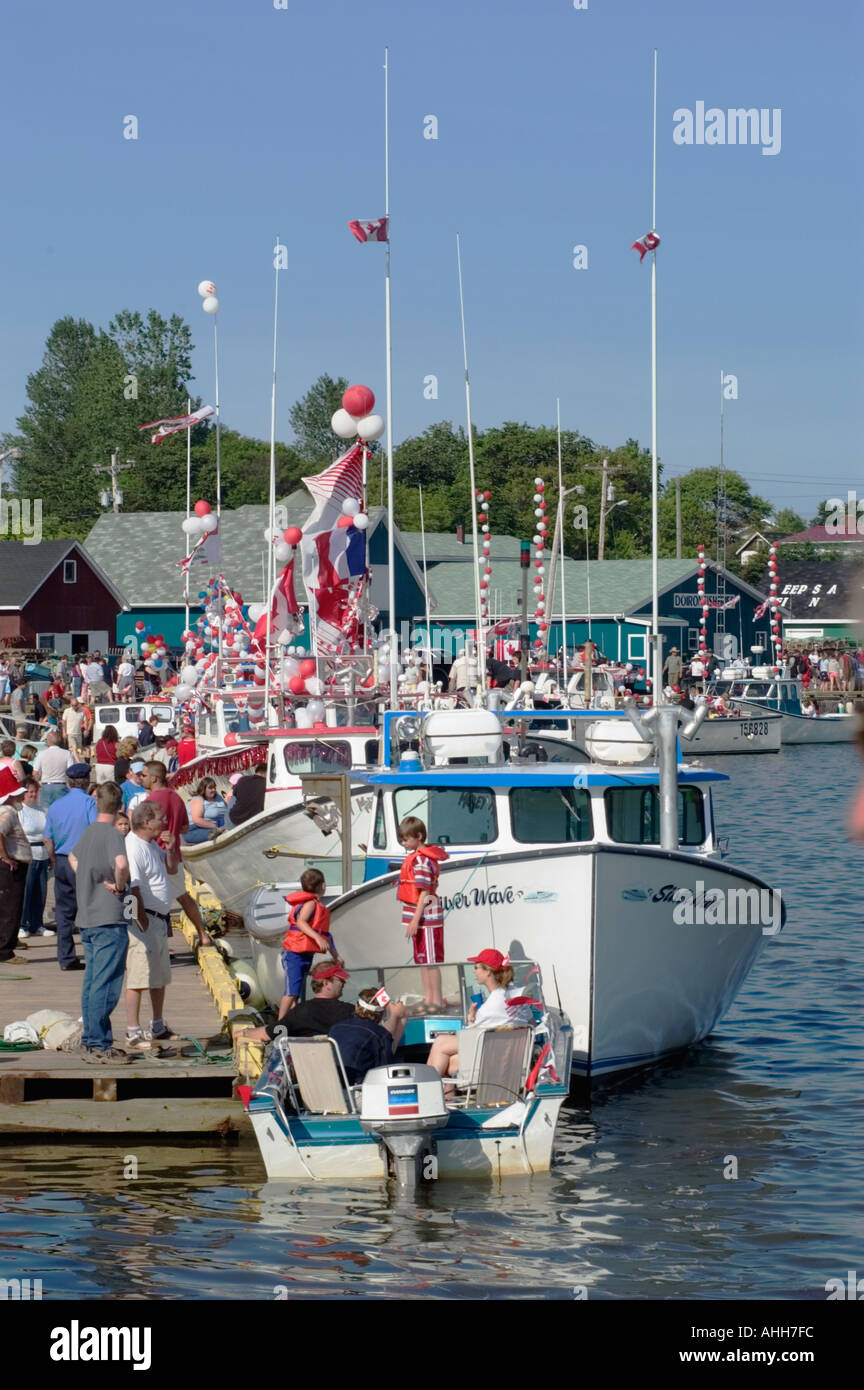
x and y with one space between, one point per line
353 515
485 561
773 599
202 522
703 602
355 419
539 543
284 543
207 291
150 646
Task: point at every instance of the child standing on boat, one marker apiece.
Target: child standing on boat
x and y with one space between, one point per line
422 913
308 933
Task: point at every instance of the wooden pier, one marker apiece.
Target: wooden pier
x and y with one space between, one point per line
44 1092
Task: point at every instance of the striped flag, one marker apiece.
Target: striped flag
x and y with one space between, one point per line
371 231
173 425
284 609
333 554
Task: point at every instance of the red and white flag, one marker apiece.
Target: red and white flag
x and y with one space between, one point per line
649 242
177 423
371 231
762 609
284 609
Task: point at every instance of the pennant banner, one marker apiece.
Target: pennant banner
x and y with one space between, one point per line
177 423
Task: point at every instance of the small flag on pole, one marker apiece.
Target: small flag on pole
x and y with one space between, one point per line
649 242
177 423
371 231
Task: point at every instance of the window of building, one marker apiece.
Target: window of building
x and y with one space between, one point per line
45 641
451 816
692 639
633 815
637 646
70 571
551 815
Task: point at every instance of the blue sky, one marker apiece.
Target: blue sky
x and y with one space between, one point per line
255 122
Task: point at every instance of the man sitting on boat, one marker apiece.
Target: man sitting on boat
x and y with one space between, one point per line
314 1016
370 1037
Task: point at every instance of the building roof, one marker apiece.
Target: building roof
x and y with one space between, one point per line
617 586
448 547
25 568
819 535
821 590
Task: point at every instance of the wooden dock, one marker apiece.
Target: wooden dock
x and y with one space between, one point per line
44 1092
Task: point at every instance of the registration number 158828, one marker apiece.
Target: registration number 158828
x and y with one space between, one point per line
751 728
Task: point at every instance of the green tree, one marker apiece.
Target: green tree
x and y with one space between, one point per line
245 465
788 523
700 511
310 419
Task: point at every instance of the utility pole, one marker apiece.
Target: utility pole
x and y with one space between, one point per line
114 469
604 498
524 635
678 518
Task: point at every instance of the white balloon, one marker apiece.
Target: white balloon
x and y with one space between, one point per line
350 507
192 525
315 710
209 523
256 611
314 685
302 718
272 533
299 651
361 522
283 552
370 427
343 424
188 675
290 668
284 637
206 288
210 304
182 693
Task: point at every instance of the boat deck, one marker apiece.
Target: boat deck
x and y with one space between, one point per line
190 1092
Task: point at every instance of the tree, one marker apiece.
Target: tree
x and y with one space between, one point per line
700 511
789 523
245 465
310 419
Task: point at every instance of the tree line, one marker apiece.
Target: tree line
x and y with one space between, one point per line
95 387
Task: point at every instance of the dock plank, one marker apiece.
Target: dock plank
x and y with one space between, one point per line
196 1115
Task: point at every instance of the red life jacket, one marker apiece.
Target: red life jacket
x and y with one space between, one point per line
408 891
295 937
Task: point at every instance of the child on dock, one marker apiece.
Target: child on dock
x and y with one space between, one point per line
422 914
308 933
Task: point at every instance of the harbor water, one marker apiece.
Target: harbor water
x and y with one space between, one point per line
734 1173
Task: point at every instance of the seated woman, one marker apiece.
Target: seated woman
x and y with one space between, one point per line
370 1037
207 811
495 973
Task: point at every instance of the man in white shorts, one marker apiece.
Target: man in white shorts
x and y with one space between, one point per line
148 964
94 681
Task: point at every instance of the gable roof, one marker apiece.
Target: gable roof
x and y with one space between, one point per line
819 535
25 568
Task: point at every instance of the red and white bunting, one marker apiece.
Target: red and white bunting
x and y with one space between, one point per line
774 603
703 603
539 543
484 560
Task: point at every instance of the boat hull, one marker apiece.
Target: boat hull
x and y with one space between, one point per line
600 920
824 728
760 733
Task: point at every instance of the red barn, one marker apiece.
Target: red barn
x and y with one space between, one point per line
55 597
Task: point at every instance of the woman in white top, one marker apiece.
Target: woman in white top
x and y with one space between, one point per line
125 683
35 888
495 974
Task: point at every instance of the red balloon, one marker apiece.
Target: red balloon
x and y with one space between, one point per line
202 508
359 401
344 522
139 627
307 668
487 495
293 536
297 685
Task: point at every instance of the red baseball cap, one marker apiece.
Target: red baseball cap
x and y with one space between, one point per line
492 958
330 972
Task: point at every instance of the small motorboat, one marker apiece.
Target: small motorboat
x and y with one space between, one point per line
500 1119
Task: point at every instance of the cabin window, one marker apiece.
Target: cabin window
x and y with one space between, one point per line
633 815
311 755
451 816
107 715
551 815
371 752
379 835
70 571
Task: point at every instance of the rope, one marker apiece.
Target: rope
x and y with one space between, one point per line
216 1057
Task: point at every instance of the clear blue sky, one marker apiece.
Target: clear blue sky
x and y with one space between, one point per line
256 121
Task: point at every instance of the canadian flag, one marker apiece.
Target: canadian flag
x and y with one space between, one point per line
284 609
649 242
371 231
176 423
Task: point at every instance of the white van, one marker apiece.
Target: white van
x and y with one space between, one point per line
126 718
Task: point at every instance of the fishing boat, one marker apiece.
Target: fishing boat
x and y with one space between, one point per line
757 697
719 733
580 867
499 1120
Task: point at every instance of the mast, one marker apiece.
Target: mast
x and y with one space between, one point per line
481 646
426 591
271 516
391 545
719 611
657 660
561 521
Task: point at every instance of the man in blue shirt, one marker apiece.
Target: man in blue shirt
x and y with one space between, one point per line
366 1040
65 823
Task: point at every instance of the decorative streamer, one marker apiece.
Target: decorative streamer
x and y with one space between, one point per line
485 560
703 603
539 543
774 602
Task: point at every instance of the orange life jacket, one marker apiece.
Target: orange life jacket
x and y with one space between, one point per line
295 937
408 891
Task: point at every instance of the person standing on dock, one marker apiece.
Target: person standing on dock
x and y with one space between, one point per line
148 963
101 875
65 823
175 822
15 858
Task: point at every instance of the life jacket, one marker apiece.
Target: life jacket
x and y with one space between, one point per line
295 937
408 891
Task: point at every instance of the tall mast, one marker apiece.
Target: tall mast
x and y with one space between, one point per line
481 644
657 659
271 519
391 545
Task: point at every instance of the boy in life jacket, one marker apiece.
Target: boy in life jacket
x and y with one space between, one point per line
422 914
308 932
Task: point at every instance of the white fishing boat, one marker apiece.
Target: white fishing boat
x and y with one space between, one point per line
727 733
756 698
499 1120
570 865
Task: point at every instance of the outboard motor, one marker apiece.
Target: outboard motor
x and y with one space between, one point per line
402 1105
